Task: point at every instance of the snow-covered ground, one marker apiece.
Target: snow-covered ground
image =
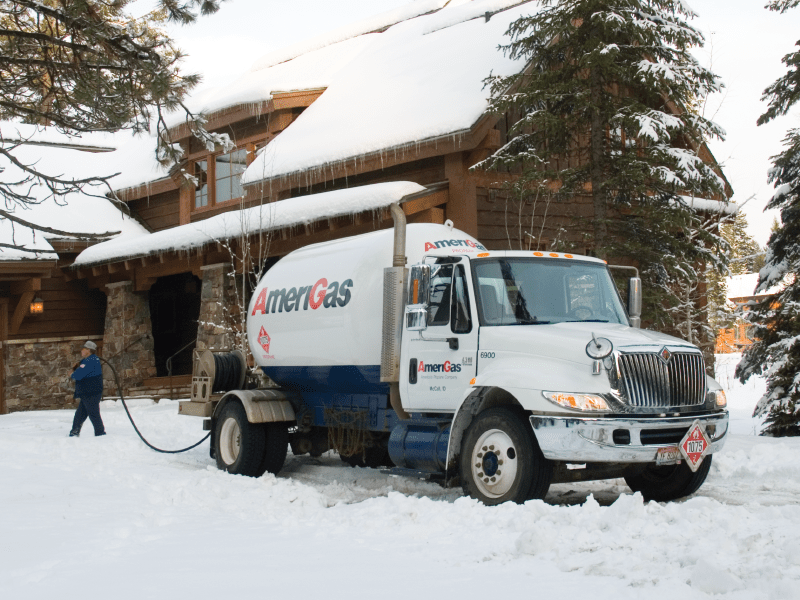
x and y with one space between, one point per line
109 518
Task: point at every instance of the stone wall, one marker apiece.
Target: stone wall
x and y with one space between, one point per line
37 372
128 337
218 309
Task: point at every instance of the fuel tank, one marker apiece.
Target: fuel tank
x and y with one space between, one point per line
314 321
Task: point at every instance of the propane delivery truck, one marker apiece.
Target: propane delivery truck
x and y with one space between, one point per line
499 371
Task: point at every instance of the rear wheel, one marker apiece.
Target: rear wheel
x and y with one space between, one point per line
666 483
240 445
277 441
501 461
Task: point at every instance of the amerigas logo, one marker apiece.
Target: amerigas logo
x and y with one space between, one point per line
454 244
445 367
322 293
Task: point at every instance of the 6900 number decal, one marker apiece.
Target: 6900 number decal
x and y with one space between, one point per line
487 354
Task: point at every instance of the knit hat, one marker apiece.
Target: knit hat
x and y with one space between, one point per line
90 345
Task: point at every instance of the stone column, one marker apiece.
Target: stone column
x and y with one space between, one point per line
219 310
128 337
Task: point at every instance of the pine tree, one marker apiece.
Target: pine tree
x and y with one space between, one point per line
745 251
776 351
86 66
610 110
746 256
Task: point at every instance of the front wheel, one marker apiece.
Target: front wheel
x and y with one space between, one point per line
501 461
666 483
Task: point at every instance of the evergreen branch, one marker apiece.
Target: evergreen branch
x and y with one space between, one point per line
43 229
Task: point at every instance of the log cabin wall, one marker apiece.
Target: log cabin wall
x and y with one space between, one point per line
37 359
157 212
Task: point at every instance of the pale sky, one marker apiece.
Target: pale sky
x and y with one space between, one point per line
744 46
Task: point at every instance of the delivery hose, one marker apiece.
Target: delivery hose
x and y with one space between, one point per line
130 418
227 372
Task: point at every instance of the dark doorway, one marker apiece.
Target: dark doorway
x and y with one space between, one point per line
174 311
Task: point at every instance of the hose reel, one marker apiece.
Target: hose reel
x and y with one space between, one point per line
217 372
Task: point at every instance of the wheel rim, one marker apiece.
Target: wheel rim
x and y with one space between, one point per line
494 463
230 439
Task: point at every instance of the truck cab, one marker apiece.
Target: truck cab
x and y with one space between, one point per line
535 356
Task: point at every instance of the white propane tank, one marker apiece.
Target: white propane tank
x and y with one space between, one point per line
314 321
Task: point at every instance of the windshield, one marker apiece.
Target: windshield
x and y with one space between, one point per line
527 291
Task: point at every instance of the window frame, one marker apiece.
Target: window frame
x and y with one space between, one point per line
210 159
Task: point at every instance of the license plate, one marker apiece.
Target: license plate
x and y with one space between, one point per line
670 455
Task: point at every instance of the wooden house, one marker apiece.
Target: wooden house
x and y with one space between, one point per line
327 134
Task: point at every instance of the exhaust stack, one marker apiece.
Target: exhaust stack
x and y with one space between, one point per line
394 285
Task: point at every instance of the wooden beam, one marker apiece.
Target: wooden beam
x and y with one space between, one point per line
435 199
462 207
34 268
185 199
98 270
142 284
431 215
114 267
23 306
146 190
29 285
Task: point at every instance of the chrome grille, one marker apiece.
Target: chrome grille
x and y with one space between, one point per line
648 381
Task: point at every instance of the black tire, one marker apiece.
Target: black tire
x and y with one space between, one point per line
672 482
501 461
277 439
239 445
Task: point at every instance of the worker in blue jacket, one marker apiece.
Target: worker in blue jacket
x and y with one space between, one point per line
88 376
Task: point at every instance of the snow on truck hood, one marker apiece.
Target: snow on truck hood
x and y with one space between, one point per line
567 341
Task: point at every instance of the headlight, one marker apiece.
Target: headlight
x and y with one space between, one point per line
576 401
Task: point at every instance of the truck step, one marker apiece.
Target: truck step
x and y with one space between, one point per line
402 472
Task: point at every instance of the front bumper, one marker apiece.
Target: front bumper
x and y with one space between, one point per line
589 439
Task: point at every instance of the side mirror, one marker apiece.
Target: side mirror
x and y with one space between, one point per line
419 292
416 317
635 301
419 288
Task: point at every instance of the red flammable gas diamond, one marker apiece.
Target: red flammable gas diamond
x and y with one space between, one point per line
263 339
694 446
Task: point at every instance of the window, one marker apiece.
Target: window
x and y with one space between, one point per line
441 281
461 321
201 191
518 291
229 169
219 177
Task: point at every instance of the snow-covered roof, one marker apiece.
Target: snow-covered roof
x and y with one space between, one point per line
283 214
419 80
743 286
68 157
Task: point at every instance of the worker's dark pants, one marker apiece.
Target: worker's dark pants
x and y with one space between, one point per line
89 407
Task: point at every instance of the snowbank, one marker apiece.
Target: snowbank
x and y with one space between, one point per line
268 217
106 516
